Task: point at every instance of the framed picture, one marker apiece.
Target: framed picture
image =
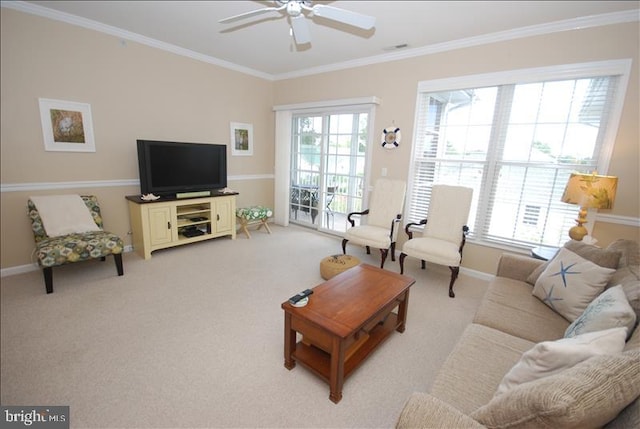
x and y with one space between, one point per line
66 126
241 139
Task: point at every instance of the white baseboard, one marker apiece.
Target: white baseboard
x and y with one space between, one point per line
21 269
477 274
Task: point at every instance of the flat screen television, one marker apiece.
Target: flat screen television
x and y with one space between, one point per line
173 168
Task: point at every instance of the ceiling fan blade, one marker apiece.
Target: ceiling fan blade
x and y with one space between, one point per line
250 14
346 17
300 28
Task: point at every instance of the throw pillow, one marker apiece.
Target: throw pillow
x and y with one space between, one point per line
609 310
570 283
550 357
64 214
607 258
588 395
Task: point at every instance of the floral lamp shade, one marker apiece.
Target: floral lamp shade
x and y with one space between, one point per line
588 191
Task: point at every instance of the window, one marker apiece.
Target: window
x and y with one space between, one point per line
531 215
515 138
328 167
315 144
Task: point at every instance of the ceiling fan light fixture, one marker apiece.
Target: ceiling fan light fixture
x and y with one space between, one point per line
297 11
294 9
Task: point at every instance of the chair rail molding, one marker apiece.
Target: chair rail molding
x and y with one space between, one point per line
44 186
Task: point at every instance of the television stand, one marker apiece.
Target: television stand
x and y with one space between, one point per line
170 222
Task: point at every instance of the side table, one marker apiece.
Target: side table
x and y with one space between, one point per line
544 253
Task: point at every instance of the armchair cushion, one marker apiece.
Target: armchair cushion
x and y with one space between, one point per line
77 247
369 235
434 250
73 247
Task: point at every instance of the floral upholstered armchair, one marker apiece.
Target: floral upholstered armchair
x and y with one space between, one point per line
75 246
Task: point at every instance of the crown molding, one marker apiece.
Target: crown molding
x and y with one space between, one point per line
501 36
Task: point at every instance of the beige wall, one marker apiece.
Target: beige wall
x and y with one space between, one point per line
135 92
395 83
139 92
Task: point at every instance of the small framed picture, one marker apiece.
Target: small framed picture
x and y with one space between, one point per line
241 139
66 126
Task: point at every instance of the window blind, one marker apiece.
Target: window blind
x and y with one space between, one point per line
515 144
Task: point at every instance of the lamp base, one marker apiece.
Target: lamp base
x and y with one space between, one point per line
578 232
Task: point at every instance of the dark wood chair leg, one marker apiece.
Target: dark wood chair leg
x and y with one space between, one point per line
344 246
393 251
423 264
48 279
368 250
402 256
383 256
118 258
454 276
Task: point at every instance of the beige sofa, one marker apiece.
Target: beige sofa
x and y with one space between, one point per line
510 321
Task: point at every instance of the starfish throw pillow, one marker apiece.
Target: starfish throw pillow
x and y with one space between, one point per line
570 283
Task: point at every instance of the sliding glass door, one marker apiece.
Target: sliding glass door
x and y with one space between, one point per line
328 168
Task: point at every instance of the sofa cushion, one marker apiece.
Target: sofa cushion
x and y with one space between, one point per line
634 341
628 418
610 309
551 357
509 306
471 373
607 258
570 283
629 252
629 278
588 395
424 411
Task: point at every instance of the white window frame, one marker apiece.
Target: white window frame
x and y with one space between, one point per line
620 68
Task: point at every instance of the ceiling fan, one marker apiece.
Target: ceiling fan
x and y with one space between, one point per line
295 11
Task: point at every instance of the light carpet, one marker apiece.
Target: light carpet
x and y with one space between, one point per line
193 338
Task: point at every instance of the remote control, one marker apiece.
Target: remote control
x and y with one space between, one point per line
299 296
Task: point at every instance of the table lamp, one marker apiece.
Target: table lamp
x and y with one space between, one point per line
588 191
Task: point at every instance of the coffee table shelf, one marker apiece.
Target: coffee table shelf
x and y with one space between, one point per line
319 361
346 319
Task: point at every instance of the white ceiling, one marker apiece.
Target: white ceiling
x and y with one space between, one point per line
263 47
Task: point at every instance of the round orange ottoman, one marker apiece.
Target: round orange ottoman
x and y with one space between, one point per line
335 264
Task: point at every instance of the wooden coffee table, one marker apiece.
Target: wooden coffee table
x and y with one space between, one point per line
346 319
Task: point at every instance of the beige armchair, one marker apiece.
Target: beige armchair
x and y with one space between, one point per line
382 220
445 230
